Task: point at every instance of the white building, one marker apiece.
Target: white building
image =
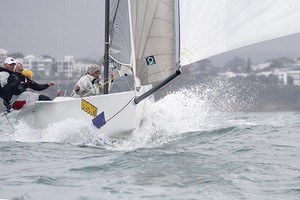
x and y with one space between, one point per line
295 74
66 66
81 68
38 64
283 75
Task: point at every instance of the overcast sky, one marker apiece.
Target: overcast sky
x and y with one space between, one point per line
285 46
75 27
53 27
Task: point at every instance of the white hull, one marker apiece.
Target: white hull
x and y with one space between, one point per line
127 115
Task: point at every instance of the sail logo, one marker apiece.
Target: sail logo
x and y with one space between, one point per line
150 60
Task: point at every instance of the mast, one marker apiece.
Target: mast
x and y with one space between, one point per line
106 47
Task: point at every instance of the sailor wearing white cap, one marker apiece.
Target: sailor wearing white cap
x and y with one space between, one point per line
88 85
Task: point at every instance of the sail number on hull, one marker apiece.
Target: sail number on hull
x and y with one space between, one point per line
89 108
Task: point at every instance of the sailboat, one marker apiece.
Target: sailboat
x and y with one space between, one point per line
147 42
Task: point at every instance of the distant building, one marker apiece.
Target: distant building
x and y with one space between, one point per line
81 68
66 66
283 75
294 74
265 73
38 65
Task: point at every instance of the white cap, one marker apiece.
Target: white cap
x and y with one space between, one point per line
10 60
93 68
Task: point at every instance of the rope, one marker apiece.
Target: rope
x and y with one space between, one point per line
9 121
97 87
107 82
120 110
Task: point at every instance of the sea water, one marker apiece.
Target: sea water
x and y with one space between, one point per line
182 150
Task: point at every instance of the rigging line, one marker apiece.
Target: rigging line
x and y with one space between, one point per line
110 80
54 90
60 27
67 85
107 82
120 110
68 73
9 121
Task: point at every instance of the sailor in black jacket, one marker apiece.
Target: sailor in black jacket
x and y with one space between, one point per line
9 82
13 86
27 97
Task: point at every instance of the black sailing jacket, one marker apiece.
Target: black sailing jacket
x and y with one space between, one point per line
16 84
12 86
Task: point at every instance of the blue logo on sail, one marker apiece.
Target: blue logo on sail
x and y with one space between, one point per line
150 60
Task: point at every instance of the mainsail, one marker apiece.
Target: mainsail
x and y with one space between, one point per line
153 51
155 37
210 27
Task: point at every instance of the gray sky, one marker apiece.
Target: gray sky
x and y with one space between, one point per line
286 46
75 27
53 27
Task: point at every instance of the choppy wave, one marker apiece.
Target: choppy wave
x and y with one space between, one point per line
184 149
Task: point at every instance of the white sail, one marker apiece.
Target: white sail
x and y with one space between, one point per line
120 34
154 31
210 27
154 44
